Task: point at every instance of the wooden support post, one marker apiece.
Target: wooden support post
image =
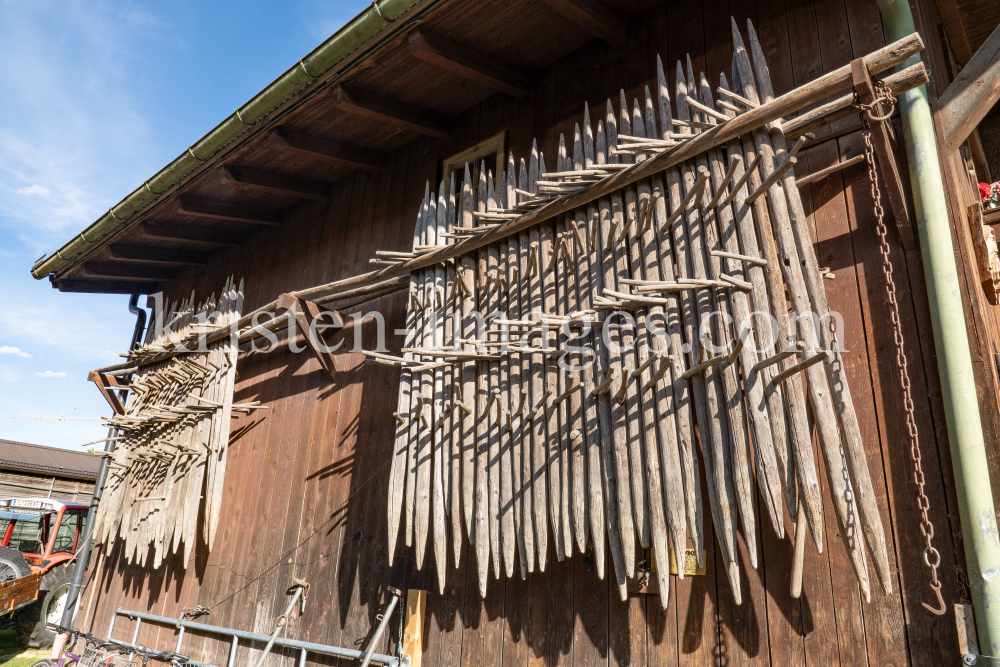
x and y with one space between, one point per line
307 312
985 247
413 628
107 384
883 148
972 94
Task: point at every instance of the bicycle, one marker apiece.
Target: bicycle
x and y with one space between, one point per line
175 659
97 652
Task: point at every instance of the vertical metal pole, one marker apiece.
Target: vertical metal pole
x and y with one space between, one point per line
232 651
111 624
302 658
180 638
135 635
282 622
951 342
395 593
83 559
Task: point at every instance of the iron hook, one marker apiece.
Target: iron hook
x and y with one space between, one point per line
936 585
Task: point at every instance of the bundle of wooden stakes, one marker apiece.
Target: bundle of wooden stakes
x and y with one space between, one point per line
552 380
169 463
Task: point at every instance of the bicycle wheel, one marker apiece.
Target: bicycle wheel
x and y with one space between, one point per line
43 663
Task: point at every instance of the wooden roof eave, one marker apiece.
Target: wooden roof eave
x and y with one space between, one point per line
147 199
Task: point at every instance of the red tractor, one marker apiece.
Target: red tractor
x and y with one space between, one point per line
40 535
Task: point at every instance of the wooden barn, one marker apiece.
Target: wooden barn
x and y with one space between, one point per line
46 472
287 207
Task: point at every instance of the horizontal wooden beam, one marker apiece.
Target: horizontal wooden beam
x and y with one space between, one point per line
219 211
279 183
842 107
106 286
191 234
466 63
594 17
972 94
329 149
382 109
129 271
153 255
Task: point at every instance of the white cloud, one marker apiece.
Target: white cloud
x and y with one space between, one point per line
51 374
35 189
8 375
7 349
61 163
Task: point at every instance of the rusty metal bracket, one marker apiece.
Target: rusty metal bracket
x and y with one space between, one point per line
883 139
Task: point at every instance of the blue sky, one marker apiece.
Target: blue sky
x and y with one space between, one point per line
97 97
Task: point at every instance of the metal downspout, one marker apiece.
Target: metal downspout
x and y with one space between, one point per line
951 342
83 558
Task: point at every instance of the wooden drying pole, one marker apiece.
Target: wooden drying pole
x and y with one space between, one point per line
667 235
819 391
709 397
871 522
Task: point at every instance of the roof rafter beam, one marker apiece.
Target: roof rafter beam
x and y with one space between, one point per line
385 110
129 271
152 255
279 183
192 234
210 209
594 17
466 63
328 149
106 286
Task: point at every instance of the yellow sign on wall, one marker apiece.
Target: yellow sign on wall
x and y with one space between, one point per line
691 568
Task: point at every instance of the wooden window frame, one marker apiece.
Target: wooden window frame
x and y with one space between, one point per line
474 154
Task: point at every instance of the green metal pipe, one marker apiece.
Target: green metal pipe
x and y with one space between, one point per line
324 57
951 342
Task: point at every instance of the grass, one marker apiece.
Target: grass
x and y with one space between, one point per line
14 654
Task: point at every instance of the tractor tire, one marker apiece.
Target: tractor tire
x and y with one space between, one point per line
52 593
13 565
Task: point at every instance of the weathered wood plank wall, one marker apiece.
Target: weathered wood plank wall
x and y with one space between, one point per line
306 487
21 485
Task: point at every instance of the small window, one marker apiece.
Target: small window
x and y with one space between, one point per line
491 151
28 535
66 536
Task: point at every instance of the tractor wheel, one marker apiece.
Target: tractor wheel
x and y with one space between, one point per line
48 608
13 565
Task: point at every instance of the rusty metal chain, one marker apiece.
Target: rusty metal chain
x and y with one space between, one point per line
881 94
931 556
